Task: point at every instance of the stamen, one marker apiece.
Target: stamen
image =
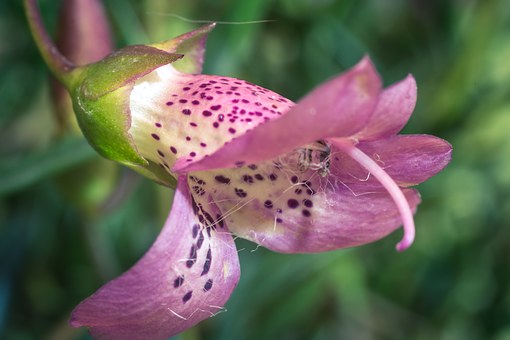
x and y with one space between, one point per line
389 184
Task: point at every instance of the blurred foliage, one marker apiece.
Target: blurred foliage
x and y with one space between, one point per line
454 283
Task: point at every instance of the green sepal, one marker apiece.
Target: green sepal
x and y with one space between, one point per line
101 92
122 67
155 173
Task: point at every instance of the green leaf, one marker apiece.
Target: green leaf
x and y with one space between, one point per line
62 155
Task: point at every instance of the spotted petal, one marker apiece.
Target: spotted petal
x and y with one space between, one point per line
275 205
182 117
339 108
186 276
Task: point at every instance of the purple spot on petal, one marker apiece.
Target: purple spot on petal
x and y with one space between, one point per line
200 240
195 102
158 125
232 130
292 203
268 204
247 179
253 166
192 257
183 101
161 153
155 136
208 285
279 220
306 213
169 103
203 145
173 149
294 179
207 263
195 230
179 281
193 124
308 203
216 124
187 112
273 177
206 113
221 117
215 107
240 192
259 177
222 179
187 296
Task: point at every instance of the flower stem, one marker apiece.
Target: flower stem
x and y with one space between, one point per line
389 184
58 64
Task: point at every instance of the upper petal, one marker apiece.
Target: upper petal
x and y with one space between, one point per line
186 276
395 106
183 117
340 107
192 45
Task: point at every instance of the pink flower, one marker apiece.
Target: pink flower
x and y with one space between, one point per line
326 173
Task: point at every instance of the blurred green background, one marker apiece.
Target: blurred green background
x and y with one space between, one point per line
69 222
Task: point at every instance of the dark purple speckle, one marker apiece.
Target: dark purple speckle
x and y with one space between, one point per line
292 203
222 179
187 296
178 281
308 203
208 285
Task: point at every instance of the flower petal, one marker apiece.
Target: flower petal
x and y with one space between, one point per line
338 219
186 276
287 210
408 159
340 107
177 116
395 106
192 45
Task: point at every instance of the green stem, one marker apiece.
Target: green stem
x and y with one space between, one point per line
58 64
